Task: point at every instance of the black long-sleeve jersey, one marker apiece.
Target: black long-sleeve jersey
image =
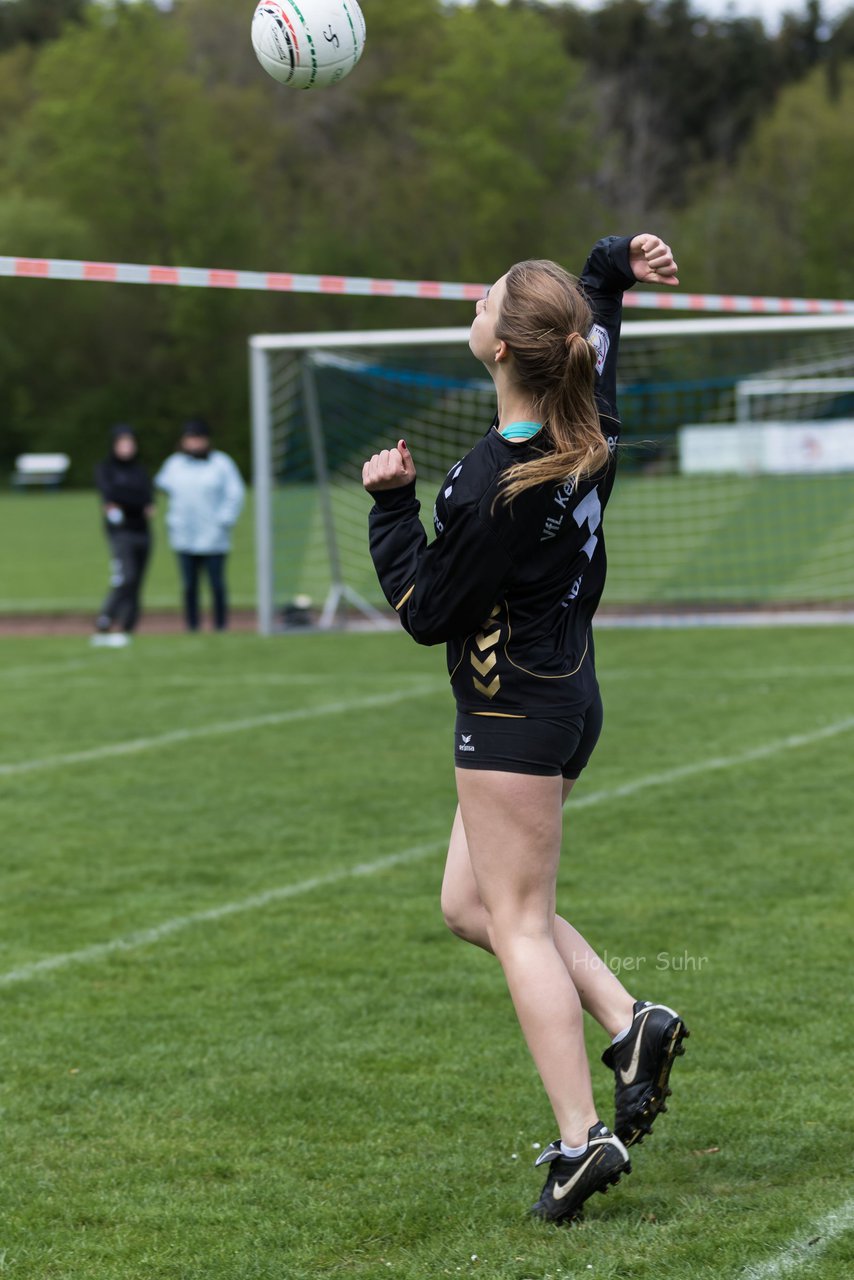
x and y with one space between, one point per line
512 588
126 484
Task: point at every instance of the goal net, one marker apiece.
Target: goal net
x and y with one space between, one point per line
736 472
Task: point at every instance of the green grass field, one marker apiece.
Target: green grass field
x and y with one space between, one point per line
56 556
671 540
239 1043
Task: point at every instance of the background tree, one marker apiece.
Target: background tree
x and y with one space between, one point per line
35 22
780 222
467 138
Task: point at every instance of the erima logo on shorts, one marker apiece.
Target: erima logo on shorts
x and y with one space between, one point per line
598 337
465 742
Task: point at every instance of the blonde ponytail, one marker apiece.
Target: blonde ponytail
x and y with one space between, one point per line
544 317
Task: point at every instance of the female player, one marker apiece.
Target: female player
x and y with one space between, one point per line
511 583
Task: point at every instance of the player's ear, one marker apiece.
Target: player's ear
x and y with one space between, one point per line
501 351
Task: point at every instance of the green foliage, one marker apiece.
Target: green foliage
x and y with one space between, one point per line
124 143
467 138
782 215
505 132
35 22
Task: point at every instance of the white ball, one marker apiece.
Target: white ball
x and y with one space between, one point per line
308 44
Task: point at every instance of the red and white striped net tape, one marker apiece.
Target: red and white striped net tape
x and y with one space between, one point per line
365 286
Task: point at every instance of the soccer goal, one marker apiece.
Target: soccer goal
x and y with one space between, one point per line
736 484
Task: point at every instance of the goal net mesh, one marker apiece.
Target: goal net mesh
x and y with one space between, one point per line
735 485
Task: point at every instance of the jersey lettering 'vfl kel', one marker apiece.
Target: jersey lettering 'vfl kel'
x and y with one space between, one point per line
512 589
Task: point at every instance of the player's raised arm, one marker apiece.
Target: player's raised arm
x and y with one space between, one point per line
616 264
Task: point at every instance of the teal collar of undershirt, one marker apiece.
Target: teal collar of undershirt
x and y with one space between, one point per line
520 430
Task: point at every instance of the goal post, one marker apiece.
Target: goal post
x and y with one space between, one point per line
737 465
288 428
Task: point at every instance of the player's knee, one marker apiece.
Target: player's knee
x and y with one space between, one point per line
452 915
461 914
515 928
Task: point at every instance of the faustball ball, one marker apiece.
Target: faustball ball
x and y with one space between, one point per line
308 44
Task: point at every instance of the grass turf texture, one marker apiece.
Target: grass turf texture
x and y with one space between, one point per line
57 558
330 1085
671 539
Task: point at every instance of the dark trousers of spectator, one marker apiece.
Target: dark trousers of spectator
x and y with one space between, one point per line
129 552
191 572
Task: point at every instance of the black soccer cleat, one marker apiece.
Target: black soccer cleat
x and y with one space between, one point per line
641 1064
571 1182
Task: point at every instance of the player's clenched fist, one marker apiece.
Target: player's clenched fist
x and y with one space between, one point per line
652 260
391 469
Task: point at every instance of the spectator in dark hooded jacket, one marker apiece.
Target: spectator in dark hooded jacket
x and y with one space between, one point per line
127 499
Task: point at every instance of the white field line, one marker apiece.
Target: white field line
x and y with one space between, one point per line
755 675
89 604
24 604
801 1251
96 678
145 936
135 745
96 672
692 620
45 668
176 736
790 743
261 679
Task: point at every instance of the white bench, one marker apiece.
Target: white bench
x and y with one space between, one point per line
46 469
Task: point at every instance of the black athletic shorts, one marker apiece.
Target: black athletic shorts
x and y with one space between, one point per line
548 748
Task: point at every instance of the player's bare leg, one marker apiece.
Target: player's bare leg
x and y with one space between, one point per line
513 831
601 993
595 988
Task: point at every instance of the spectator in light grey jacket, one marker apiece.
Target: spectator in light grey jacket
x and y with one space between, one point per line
206 495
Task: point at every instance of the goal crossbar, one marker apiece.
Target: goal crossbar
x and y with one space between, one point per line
304 461
643 328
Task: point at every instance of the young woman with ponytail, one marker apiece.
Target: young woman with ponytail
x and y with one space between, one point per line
511 583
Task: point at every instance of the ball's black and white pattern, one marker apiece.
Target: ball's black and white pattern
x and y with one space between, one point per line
308 44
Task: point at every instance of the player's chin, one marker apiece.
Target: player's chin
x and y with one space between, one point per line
474 348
